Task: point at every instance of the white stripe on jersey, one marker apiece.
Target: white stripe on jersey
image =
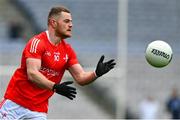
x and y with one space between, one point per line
34 45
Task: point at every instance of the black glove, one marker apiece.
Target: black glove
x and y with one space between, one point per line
65 90
105 67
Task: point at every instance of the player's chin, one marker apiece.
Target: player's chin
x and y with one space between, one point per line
68 34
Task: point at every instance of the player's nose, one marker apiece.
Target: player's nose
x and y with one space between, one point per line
70 24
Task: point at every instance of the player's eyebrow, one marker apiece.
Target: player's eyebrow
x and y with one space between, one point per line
68 20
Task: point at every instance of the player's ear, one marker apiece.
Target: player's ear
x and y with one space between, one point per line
53 23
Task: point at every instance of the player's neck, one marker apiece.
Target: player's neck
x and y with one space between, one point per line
55 40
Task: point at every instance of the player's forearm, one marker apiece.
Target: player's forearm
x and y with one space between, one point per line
86 78
40 80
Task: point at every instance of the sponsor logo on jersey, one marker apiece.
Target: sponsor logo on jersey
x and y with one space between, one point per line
47 53
49 72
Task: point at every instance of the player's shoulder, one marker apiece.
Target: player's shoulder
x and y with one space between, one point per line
67 44
69 48
37 41
40 38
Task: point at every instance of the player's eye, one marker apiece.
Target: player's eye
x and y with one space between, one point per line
67 21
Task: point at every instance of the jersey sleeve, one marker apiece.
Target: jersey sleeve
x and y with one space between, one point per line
72 58
34 49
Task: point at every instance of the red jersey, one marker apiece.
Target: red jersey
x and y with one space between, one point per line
54 61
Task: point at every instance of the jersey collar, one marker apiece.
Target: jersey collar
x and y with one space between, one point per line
47 33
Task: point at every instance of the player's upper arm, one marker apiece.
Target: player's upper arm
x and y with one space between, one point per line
72 58
33 65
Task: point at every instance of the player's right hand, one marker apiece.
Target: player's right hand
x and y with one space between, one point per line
104 67
65 90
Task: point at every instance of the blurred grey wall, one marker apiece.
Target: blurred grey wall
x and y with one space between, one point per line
151 20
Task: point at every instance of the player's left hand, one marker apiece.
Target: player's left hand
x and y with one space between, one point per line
104 67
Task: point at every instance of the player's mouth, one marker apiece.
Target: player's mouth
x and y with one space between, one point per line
69 30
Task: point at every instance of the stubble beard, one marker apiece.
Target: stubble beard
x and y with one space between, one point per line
61 35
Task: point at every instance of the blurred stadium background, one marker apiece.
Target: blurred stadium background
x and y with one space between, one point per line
106 27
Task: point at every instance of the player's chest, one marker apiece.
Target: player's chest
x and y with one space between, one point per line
55 58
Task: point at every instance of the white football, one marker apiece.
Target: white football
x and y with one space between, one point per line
158 53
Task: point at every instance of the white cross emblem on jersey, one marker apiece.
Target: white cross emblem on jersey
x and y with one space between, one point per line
66 58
